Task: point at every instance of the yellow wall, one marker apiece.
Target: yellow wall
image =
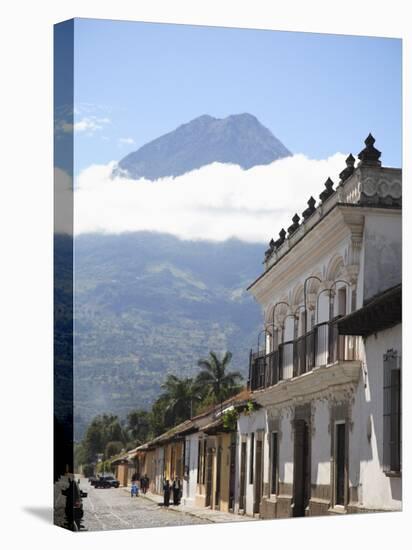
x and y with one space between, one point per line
174 460
122 474
200 498
225 472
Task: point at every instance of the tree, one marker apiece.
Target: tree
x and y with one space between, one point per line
88 470
159 419
138 425
103 429
80 456
181 395
113 448
219 384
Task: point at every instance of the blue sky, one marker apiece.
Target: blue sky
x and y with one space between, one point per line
319 94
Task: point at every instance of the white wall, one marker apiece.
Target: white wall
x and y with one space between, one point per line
190 482
286 448
320 459
248 424
383 252
376 490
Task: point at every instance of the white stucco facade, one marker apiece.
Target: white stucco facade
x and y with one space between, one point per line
377 490
191 463
321 385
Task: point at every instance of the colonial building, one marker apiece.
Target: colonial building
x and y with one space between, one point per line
326 370
201 452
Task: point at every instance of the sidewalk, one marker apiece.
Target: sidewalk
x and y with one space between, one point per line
213 516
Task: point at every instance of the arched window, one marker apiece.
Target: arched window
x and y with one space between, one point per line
342 301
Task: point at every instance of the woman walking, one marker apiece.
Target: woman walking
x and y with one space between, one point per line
176 486
166 492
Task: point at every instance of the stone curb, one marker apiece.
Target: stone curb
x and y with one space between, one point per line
190 512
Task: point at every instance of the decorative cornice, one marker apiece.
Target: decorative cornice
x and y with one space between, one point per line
335 382
379 188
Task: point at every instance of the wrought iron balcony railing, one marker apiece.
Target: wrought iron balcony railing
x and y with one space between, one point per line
321 346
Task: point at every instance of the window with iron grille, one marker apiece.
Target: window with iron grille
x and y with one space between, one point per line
391 412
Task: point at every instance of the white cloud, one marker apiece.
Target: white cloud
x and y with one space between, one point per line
216 202
90 124
127 141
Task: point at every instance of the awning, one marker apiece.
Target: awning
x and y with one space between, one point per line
381 312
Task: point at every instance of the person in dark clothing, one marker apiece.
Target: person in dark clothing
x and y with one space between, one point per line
176 487
146 484
166 492
142 483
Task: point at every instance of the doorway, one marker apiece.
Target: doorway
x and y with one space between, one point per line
209 467
232 472
300 468
218 475
258 477
340 463
242 495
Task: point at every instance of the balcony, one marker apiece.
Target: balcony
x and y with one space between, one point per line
321 346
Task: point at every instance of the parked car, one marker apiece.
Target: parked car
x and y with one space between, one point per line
106 482
92 480
74 504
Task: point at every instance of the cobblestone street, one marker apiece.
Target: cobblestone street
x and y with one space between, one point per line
115 509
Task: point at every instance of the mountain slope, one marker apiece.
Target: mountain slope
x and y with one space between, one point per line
148 304
237 139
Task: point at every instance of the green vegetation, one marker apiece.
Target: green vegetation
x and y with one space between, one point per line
182 398
149 305
219 383
230 419
250 407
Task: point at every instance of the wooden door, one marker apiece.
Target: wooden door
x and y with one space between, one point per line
218 476
340 463
258 477
209 468
242 494
232 472
300 468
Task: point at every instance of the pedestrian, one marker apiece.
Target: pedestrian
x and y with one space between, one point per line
146 483
142 484
166 492
176 487
134 491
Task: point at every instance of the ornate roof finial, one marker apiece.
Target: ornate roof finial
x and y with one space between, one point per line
269 251
281 240
370 155
328 190
348 171
311 208
295 225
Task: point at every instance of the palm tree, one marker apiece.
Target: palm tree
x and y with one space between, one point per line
180 396
214 375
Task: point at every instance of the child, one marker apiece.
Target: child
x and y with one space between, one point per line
134 491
